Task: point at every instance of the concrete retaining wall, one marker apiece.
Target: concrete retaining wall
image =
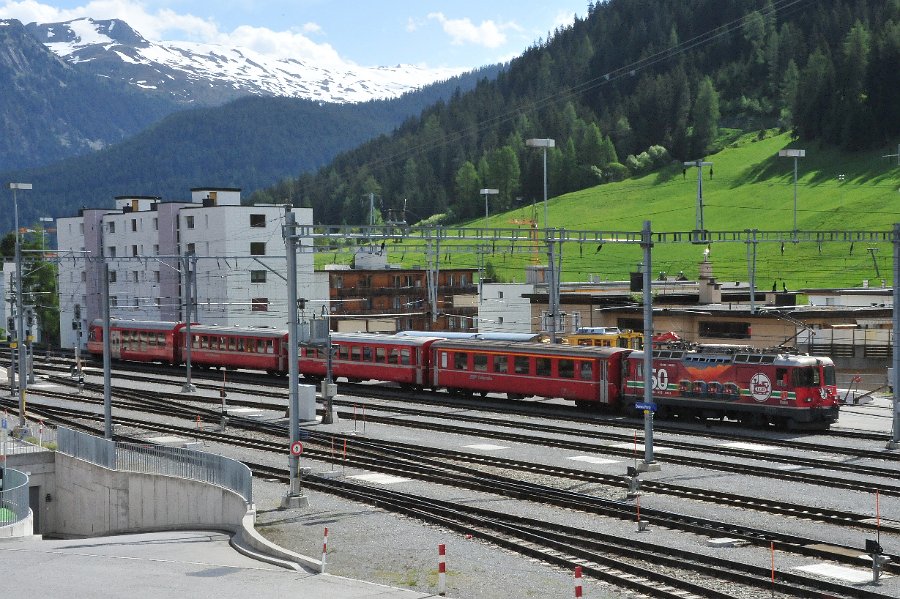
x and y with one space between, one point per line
91 501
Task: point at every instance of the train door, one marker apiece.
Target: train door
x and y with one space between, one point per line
602 367
115 343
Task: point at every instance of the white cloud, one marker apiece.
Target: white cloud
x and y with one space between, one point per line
281 44
462 31
563 19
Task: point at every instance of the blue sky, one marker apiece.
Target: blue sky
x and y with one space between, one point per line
462 33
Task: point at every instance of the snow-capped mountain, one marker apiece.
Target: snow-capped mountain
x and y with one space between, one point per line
210 75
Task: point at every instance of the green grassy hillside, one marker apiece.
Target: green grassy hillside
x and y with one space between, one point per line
751 188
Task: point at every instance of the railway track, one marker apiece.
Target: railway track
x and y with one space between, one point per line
452 468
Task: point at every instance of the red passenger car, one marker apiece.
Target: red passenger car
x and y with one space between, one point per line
253 348
138 340
755 386
361 357
585 375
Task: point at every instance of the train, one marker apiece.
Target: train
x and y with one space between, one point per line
757 387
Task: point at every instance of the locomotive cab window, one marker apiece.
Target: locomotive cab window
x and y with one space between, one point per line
807 376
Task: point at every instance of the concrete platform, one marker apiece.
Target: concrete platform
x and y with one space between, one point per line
196 564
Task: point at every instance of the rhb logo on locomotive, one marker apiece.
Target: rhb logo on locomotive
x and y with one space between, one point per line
760 387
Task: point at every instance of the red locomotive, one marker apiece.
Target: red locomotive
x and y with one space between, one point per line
707 381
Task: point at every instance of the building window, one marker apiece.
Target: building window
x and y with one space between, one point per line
258 248
725 330
156 276
112 227
156 224
134 224
258 220
499 295
450 280
189 222
134 250
259 304
499 320
112 276
257 276
156 249
83 276
111 251
339 282
113 301
191 248
136 276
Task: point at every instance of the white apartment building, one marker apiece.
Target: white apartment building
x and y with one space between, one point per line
237 255
503 308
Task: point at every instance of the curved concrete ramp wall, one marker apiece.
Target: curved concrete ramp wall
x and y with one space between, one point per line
92 501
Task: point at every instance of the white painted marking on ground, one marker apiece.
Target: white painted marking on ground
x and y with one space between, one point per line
167 440
486 447
640 446
853 575
593 459
382 479
749 446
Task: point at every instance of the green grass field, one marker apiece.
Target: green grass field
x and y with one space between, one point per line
752 188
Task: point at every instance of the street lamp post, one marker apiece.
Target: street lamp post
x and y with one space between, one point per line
20 324
795 154
543 143
486 193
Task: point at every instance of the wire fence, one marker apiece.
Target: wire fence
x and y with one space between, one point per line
148 458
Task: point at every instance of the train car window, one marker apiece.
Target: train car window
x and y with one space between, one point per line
240 345
542 366
355 352
585 371
461 361
501 364
344 352
380 355
367 354
394 357
231 344
522 365
637 368
405 357
270 346
223 343
781 377
566 368
480 362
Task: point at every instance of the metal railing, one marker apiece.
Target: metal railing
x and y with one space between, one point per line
159 459
13 497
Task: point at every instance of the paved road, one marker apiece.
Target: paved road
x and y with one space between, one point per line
160 565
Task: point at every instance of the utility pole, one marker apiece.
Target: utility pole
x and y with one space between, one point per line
699 227
186 261
894 443
649 465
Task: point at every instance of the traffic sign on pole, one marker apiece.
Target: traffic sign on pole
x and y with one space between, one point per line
645 406
296 448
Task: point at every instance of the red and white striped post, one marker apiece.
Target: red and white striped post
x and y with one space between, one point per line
442 570
577 582
324 550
